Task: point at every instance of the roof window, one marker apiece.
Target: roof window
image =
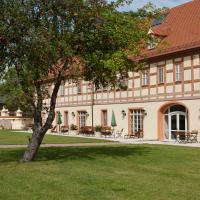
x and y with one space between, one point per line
159 20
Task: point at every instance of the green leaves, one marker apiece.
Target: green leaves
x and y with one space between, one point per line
39 37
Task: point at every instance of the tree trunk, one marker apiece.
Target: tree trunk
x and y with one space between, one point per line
39 131
33 146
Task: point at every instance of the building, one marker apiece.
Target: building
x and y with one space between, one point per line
159 100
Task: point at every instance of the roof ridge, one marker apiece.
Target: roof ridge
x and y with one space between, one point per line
184 4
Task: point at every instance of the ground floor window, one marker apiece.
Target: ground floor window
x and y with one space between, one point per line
175 119
82 116
104 118
66 118
136 120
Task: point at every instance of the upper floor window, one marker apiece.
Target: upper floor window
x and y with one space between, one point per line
177 72
62 90
79 89
145 78
161 75
123 84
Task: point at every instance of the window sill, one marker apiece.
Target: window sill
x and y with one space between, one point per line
178 82
145 86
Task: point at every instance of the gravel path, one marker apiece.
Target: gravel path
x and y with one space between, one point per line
60 145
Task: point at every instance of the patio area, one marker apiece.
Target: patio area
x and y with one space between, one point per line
122 140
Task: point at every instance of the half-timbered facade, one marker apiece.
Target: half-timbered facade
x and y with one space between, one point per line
163 98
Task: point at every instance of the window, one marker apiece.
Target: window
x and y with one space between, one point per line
82 119
104 118
150 45
66 118
145 80
159 19
136 117
123 84
161 75
177 72
79 87
62 90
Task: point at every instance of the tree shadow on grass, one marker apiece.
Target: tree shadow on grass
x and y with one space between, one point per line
63 154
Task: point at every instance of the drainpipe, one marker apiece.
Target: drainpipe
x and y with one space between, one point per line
92 105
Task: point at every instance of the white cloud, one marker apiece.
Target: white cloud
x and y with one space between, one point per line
159 3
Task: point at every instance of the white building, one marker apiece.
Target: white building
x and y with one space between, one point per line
160 100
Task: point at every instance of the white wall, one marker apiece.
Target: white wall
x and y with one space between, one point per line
150 120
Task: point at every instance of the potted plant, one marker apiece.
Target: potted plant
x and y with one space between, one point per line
98 130
73 129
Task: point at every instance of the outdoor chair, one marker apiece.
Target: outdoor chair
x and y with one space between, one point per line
180 136
118 133
129 136
137 134
186 137
106 131
54 129
191 137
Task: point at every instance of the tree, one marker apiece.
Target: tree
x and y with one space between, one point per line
61 40
12 94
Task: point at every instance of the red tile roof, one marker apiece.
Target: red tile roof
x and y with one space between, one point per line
181 30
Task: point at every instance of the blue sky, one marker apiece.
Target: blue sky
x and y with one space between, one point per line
159 3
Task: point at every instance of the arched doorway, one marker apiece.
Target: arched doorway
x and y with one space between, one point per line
172 118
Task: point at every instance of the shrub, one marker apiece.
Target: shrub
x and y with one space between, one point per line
73 127
98 128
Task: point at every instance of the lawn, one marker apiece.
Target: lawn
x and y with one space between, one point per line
117 172
10 137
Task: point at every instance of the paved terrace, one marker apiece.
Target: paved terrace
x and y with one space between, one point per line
115 141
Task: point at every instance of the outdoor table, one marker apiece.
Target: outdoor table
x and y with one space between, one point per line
186 137
191 137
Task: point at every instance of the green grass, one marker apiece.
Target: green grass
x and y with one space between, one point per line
10 137
120 172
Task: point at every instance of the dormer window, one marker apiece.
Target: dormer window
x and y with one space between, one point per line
151 45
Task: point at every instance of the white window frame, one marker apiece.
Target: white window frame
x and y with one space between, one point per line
161 73
177 72
145 77
62 90
136 120
82 118
150 45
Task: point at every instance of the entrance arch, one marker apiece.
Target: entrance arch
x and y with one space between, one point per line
172 117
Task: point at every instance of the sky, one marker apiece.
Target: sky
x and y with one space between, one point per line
159 3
